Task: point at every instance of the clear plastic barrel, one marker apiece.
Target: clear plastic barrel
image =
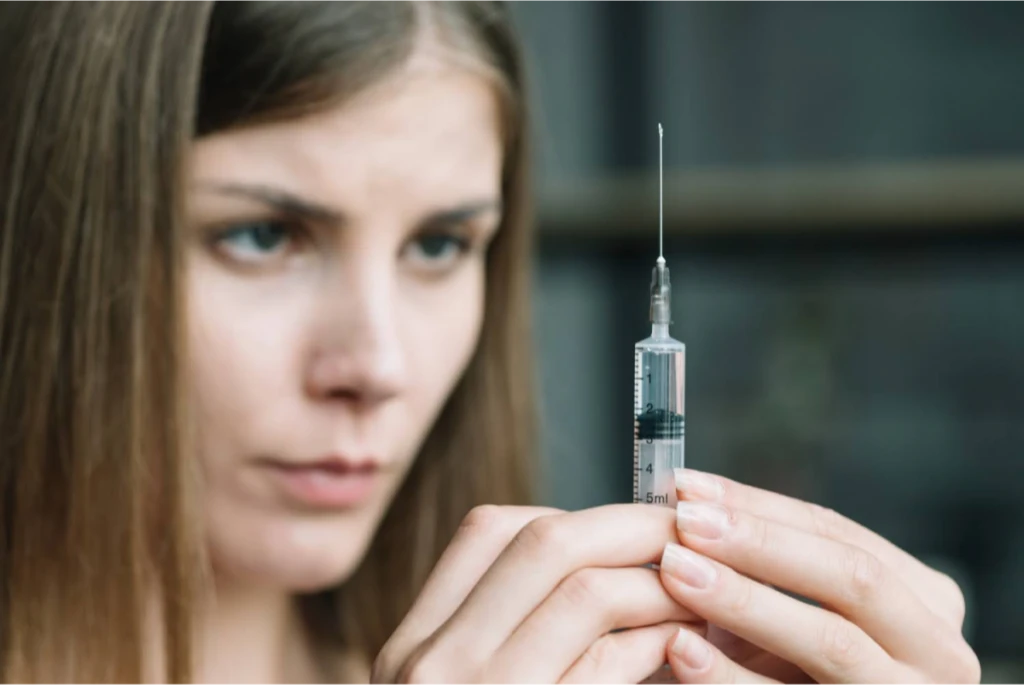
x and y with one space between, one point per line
658 429
659 417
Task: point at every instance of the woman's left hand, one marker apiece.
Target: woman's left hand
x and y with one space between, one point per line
883 616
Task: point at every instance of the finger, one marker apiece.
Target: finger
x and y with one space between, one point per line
585 606
938 591
694 660
825 645
845 578
540 556
481 537
754 658
626 657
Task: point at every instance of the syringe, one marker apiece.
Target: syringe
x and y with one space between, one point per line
659 380
658 393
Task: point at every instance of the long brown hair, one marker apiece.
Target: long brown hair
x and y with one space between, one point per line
99 503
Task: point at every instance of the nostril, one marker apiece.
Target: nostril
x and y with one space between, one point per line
364 372
357 389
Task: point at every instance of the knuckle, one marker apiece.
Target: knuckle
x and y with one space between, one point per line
958 664
739 595
415 670
602 656
969 670
755 533
586 587
952 597
544 535
827 523
423 668
839 646
865 575
484 520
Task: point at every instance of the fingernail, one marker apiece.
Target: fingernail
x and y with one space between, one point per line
687 566
697 485
703 520
691 650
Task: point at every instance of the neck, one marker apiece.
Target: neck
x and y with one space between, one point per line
253 635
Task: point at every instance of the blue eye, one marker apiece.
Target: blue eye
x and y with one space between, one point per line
437 249
255 240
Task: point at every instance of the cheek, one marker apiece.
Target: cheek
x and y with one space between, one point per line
443 333
241 357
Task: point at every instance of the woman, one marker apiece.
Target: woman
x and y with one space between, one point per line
263 337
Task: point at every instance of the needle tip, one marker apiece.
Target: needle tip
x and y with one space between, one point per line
661 132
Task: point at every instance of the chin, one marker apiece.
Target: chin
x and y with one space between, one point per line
311 572
293 553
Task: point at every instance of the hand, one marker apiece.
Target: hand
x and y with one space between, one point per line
529 594
883 615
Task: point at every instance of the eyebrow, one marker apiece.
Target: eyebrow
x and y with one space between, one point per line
280 200
291 204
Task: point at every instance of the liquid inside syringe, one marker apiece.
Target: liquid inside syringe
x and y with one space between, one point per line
659 417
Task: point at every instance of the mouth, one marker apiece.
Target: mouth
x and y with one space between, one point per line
334 482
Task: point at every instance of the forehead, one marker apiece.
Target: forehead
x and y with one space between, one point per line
429 133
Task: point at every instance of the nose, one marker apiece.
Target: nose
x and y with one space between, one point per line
358 357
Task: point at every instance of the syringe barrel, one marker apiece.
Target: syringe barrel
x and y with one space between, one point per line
659 411
659 417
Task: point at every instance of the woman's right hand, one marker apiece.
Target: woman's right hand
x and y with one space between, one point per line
525 594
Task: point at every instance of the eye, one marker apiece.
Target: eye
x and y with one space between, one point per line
436 251
255 241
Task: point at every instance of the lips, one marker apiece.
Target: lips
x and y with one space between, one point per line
330 483
334 465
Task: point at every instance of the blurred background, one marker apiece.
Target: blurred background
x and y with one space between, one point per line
844 199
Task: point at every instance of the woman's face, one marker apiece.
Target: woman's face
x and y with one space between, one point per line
335 296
